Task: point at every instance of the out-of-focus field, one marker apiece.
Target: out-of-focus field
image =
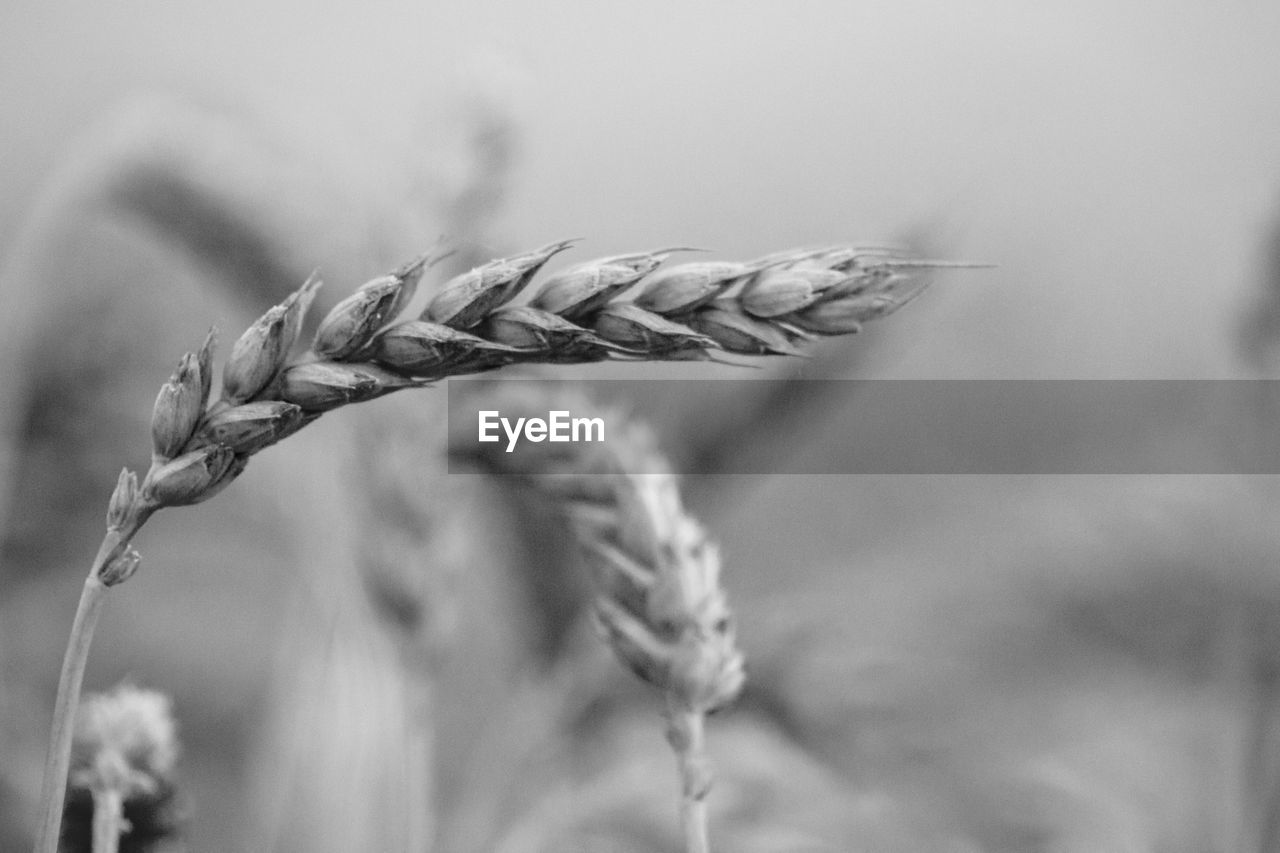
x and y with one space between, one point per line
1011 663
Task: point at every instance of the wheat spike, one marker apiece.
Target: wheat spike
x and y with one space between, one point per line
658 601
408 572
363 350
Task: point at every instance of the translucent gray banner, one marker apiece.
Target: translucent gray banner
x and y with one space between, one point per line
876 426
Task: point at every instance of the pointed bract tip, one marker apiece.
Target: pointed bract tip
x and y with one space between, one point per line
178 408
123 503
205 359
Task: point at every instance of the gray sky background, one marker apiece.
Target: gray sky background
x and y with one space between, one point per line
1117 160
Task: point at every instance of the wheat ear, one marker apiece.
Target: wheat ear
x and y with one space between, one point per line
409 577
687 311
659 603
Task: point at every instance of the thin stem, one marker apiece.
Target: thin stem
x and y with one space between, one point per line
108 820
686 734
58 761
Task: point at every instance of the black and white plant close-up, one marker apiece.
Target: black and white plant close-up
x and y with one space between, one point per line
568 427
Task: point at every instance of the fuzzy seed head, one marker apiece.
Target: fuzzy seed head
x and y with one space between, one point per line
177 408
125 740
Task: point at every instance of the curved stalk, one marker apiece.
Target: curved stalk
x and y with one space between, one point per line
58 759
